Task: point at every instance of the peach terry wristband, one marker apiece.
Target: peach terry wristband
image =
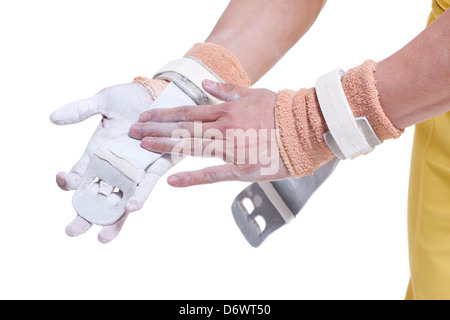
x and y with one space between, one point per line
153 86
221 61
301 124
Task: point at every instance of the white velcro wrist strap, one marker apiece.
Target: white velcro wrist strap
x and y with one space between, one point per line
348 137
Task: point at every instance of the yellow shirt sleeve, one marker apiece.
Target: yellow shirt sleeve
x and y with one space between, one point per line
438 8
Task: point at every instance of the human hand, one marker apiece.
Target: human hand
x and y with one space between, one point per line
240 131
119 107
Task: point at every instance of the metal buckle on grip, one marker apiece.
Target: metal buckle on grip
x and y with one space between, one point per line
188 87
256 213
92 202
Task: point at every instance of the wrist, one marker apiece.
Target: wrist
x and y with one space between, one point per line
305 136
220 61
300 126
360 87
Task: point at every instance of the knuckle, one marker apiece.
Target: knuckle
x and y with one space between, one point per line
181 127
210 176
231 91
147 129
228 126
185 113
221 126
226 108
229 87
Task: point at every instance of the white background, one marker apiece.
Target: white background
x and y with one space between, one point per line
349 242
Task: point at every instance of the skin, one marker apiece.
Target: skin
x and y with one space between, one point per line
412 83
250 28
157 128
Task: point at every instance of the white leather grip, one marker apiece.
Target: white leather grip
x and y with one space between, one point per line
120 165
117 167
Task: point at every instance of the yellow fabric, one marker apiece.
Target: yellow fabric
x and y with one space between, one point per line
438 8
429 203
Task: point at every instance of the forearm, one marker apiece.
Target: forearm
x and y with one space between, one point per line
260 32
414 83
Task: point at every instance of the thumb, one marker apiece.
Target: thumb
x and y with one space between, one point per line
76 111
224 91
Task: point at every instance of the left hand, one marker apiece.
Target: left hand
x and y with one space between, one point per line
240 131
119 107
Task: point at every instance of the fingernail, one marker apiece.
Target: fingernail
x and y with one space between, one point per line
146 116
173 180
209 83
60 180
135 131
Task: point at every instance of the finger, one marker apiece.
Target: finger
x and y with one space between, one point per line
226 172
190 147
143 190
71 181
224 91
76 111
173 129
77 227
109 233
184 113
